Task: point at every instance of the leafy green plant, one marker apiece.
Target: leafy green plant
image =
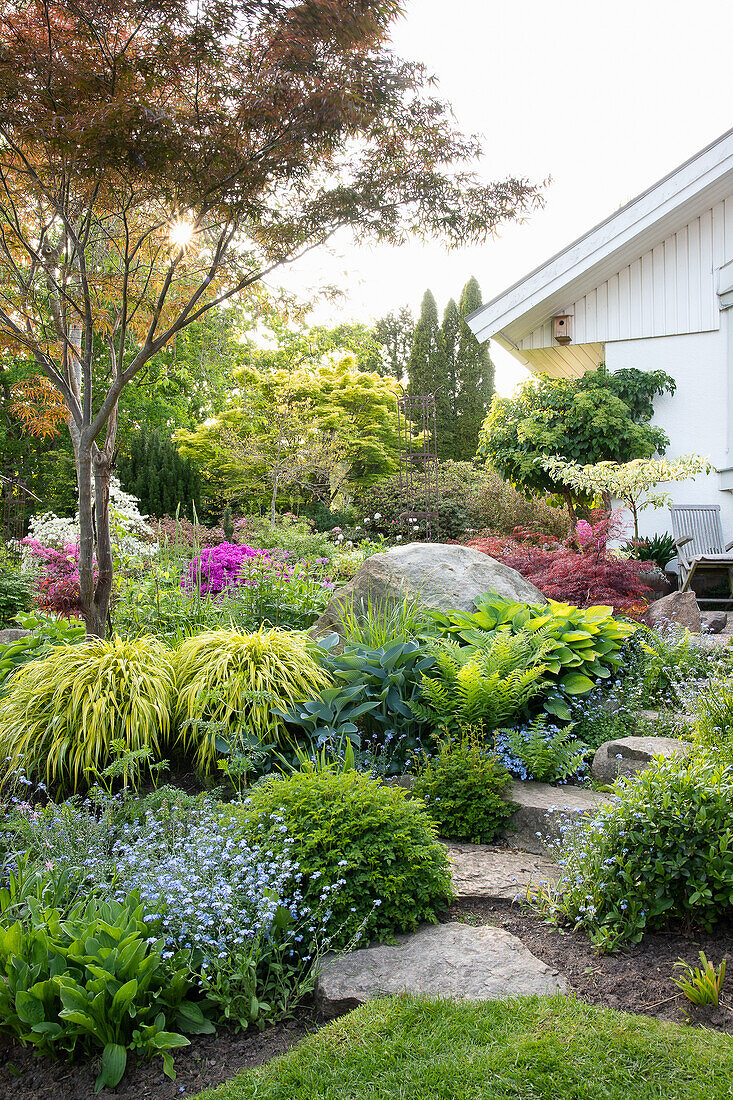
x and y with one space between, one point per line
701 985
46 631
464 787
485 685
661 549
333 715
672 659
390 677
92 981
378 624
16 593
369 841
661 850
62 712
583 644
713 728
550 754
238 680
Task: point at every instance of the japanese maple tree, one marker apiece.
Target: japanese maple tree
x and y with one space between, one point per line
157 159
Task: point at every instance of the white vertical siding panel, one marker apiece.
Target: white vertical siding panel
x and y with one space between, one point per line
646 290
707 293
591 310
683 297
613 308
718 213
637 306
579 322
601 312
658 297
693 264
624 303
728 230
670 284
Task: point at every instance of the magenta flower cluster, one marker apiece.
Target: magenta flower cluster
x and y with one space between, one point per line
227 565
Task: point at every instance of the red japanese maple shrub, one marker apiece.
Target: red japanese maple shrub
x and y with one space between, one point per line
581 570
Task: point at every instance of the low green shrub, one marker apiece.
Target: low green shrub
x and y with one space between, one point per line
62 713
93 981
230 684
485 685
350 831
464 787
583 644
381 623
661 851
713 728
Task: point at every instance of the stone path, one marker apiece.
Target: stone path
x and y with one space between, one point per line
543 810
446 960
483 871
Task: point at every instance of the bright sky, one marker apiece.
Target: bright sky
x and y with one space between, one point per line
604 98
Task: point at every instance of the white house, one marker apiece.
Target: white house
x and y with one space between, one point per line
650 287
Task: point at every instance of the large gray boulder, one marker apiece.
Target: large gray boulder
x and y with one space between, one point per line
440 576
629 755
450 960
12 634
679 608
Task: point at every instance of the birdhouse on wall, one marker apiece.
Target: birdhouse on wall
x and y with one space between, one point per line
562 326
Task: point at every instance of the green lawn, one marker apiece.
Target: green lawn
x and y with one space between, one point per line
550 1048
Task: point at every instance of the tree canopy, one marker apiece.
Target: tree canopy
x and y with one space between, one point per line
161 159
599 417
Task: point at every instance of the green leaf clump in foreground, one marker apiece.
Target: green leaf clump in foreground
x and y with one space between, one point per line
531 1048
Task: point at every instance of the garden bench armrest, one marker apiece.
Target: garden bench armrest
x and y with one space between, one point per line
729 546
683 541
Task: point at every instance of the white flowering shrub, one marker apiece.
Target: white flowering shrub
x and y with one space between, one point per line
131 536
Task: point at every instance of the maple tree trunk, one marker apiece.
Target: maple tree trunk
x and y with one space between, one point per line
105 567
86 536
571 509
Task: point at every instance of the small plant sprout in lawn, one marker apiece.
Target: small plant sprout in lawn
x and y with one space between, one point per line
701 985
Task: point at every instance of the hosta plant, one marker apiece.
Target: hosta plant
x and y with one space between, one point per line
93 981
46 631
582 644
62 712
236 681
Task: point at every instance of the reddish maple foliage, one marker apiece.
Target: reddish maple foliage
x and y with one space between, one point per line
580 571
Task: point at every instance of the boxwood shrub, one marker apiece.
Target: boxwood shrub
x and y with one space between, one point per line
374 844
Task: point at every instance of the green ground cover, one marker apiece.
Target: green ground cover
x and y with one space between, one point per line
526 1049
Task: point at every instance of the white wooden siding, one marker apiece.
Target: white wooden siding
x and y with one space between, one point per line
669 290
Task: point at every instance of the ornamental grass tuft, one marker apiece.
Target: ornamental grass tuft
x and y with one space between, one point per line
62 713
235 681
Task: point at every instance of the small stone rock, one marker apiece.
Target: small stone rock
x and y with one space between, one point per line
497 874
630 755
438 575
714 621
448 960
12 634
543 811
679 608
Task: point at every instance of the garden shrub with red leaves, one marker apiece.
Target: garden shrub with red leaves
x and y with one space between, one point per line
580 571
57 583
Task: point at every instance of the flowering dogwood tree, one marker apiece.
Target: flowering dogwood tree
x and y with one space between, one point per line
630 482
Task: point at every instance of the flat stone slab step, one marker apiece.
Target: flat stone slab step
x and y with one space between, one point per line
542 812
483 871
446 960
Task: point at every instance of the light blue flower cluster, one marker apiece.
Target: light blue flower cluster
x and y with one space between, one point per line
202 885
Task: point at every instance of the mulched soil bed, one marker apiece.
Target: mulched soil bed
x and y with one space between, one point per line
637 979
209 1060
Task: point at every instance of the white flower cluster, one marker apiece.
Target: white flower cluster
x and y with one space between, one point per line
131 535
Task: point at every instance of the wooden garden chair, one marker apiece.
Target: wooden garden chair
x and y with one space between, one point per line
698 536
